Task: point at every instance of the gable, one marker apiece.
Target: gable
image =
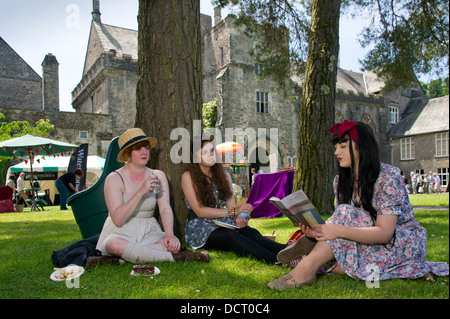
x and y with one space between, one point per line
12 66
104 38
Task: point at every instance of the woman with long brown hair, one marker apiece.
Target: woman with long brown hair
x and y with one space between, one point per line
210 201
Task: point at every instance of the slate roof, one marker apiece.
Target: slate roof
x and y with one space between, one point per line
423 116
349 81
122 40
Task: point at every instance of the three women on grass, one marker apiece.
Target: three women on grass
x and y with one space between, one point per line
373 231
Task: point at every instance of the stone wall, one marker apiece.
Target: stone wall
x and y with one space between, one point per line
68 126
20 85
109 88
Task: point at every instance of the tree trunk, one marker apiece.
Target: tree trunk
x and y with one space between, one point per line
168 94
314 167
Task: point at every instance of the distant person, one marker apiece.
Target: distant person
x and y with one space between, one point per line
65 184
253 170
437 183
430 182
21 197
413 182
11 183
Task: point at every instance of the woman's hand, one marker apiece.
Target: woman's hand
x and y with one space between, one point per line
148 185
244 209
172 244
324 232
309 232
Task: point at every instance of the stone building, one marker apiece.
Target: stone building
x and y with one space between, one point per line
24 95
419 142
230 75
105 100
108 85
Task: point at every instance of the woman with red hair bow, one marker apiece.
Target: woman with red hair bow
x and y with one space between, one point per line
373 234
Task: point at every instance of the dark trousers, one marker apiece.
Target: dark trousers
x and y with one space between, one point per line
245 242
63 194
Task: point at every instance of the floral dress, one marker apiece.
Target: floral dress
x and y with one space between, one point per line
404 255
198 229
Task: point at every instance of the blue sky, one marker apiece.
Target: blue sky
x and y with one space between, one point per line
61 27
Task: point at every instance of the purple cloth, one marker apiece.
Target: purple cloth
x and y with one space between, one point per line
265 186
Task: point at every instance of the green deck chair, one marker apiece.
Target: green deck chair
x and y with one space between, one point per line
88 206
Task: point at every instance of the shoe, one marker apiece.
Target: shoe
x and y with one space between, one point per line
294 262
93 261
200 256
301 247
282 283
429 277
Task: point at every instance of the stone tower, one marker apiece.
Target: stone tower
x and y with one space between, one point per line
50 83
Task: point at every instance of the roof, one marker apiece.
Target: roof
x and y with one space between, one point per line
122 40
423 116
106 38
349 81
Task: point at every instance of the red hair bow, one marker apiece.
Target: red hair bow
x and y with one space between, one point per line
347 127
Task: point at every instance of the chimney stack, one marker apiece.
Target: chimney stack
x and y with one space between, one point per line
96 11
217 15
50 83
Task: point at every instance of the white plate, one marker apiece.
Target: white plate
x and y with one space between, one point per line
155 273
225 225
76 271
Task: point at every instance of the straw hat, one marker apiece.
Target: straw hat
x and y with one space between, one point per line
131 137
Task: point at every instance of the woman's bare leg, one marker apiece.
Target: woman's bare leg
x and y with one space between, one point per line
307 268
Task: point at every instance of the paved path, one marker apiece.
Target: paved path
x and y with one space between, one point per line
431 207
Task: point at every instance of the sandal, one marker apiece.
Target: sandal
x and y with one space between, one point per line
282 283
429 276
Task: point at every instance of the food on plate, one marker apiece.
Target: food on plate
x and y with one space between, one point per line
144 269
67 272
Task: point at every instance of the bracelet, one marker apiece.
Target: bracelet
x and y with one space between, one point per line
230 212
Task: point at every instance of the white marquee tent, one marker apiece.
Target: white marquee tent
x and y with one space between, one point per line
59 164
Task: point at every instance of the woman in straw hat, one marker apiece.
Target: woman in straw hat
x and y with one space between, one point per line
130 231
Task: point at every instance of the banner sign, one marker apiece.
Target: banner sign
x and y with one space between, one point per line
79 160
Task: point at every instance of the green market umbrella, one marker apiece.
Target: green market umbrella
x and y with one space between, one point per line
30 146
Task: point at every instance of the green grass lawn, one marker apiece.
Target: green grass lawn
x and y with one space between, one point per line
28 239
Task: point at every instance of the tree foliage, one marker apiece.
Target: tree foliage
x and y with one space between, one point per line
12 129
209 114
436 88
409 38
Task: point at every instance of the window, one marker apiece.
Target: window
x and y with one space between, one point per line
338 117
262 102
441 144
407 148
258 69
443 175
393 114
367 120
84 135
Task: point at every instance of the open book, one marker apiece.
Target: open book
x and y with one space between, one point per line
299 209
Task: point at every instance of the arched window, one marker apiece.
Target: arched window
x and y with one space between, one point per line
369 122
338 118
